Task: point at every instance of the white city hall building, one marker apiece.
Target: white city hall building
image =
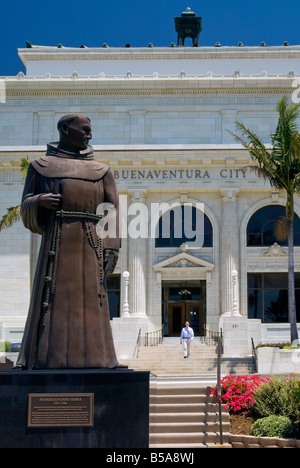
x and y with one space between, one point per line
161 119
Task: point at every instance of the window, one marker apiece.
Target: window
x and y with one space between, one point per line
268 297
176 232
261 227
113 292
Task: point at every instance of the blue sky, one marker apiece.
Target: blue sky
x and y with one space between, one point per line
118 22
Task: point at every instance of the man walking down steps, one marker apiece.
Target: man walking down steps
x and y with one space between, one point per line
187 335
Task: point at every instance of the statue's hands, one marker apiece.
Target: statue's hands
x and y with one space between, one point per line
50 201
110 260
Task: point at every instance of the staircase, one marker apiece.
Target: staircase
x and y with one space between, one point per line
182 413
167 359
185 416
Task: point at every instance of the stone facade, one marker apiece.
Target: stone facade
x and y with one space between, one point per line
160 119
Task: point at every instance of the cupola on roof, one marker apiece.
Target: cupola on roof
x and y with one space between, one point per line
188 25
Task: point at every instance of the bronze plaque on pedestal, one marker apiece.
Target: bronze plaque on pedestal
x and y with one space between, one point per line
60 410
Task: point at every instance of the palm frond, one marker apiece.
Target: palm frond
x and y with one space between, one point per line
282 226
296 183
280 165
13 215
254 142
24 164
286 128
261 172
265 163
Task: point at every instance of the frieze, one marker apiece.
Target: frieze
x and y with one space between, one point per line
210 94
184 174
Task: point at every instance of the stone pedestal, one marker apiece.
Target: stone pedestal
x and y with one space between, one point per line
125 333
120 413
235 335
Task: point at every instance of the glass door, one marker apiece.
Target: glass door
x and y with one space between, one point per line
186 312
184 301
176 319
195 315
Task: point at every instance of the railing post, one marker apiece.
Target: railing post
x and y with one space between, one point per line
219 387
125 309
154 338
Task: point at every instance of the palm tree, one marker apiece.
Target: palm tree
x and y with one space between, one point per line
14 213
281 166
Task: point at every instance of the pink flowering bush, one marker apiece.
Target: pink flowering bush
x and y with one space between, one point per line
237 391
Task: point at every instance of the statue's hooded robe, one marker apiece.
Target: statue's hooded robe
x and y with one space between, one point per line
68 324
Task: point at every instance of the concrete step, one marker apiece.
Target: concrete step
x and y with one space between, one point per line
184 427
186 438
179 408
184 415
181 399
167 388
194 417
193 366
167 358
184 380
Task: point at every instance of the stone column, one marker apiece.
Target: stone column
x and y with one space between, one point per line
137 258
229 251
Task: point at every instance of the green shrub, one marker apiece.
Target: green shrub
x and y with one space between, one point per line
273 345
277 345
277 397
296 393
4 346
273 426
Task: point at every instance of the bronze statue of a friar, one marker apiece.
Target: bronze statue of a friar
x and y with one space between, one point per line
68 324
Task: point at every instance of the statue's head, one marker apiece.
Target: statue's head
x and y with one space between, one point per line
75 132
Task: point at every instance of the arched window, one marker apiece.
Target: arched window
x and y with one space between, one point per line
261 227
172 230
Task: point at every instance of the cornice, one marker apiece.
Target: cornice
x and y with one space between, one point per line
130 156
158 53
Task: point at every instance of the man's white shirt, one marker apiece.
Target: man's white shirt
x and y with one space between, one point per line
187 333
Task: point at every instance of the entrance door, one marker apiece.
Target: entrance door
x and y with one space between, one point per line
185 312
194 313
176 318
184 301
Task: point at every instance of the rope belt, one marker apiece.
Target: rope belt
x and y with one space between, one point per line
50 280
78 215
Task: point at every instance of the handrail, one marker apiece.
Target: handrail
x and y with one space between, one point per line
212 337
154 338
254 355
138 344
219 390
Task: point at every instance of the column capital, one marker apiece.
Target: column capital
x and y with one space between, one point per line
137 196
230 194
